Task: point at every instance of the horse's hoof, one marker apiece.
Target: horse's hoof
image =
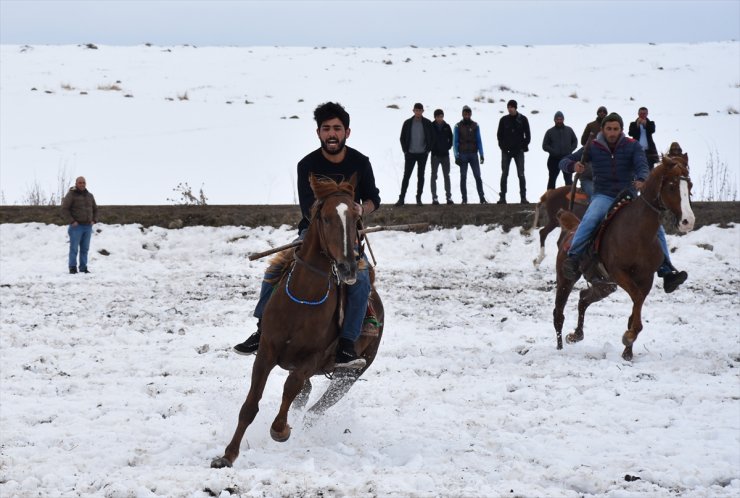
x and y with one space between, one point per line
627 354
282 436
220 463
573 338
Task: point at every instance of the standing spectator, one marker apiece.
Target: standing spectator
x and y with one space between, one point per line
642 130
467 146
559 141
595 125
442 143
416 142
513 140
80 209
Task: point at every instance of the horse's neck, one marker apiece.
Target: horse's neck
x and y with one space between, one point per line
311 253
644 215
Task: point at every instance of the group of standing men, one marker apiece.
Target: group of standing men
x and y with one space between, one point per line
421 138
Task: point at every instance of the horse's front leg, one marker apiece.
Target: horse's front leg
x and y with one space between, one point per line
564 289
260 371
588 296
638 292
280 430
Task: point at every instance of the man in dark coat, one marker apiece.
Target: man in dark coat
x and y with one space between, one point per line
81 212
642 130
513 140
559 141
416 142
595 125
442 143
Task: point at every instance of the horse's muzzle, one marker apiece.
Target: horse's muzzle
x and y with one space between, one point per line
347 272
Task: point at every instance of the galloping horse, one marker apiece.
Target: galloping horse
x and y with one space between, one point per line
301 322
553 201
629 249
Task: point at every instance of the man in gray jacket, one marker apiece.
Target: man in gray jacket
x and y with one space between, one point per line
81 211
559 141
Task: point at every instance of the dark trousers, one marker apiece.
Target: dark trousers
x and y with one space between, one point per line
505 163
472 159
445 162
408 168
553 167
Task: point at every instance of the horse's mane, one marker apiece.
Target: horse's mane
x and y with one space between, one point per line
668 166
323 187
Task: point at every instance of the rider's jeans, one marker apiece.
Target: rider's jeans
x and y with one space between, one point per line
591 218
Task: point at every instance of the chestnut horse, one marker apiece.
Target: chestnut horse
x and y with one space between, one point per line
301 321
553 201
629 249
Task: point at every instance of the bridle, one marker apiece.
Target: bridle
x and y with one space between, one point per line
659 199
324 251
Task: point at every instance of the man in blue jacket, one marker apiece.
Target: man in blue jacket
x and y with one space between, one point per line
618 162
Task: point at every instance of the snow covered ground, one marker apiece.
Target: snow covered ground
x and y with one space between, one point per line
137 121
121 383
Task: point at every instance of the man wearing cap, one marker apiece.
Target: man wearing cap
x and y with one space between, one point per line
416 142
642 130
559 141
595 125
513 140
618 162
441 155
467 145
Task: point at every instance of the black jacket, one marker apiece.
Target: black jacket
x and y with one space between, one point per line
513 134
442 141
559 141
316 163
406 134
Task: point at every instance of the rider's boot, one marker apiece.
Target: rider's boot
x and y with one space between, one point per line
672 278
252 343
346 355
571 269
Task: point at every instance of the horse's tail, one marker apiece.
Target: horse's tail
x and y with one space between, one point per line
537 207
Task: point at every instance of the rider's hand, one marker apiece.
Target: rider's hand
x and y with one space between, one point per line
359 210
579 167
638 185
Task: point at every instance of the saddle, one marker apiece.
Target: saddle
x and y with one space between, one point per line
580 197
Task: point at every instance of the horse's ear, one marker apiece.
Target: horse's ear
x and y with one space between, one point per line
353 181
686 157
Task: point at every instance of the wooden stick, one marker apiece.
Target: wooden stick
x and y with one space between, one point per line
413 226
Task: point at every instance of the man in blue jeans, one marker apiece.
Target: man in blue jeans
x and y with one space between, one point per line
618 163
467 146
333 160
81 211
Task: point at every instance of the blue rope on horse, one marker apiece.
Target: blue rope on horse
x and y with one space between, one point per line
301 301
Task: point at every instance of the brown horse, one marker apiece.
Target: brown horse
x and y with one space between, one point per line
301 322
553 201
629 249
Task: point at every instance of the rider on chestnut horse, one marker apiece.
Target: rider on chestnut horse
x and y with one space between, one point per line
339 162
618 162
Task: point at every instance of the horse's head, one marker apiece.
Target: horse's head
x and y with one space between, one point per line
675 190
335 219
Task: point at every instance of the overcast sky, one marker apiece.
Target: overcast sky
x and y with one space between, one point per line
345 23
